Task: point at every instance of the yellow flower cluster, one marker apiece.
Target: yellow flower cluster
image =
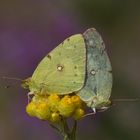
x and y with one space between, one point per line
53 107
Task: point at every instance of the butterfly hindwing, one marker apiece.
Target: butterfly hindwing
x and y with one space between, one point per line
63 69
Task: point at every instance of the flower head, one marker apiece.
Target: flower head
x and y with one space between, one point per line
53 107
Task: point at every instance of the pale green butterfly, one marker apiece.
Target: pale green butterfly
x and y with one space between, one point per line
61 71
97 89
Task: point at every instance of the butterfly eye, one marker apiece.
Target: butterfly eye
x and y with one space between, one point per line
95 99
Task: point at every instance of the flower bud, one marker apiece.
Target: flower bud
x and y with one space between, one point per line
42 111
66 106
31 109
77 101
55 117
78 114
53 101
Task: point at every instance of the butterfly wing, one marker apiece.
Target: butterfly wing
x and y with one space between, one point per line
98 84
63 69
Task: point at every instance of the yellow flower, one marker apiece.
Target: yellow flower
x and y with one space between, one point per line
31 109
39 108
53 101
78 114
42 111
66 106
55 117
77 101
53 107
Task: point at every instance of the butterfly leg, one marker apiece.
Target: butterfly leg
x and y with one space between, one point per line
28 95
94 110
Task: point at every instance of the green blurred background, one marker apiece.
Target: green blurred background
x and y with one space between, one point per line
29 29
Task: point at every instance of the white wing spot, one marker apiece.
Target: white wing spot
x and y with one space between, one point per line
93 72
91 42
60 67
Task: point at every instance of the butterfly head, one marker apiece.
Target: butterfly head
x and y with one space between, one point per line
101 105
26 83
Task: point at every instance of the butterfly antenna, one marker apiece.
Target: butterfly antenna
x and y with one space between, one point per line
11 78
126 100
8 86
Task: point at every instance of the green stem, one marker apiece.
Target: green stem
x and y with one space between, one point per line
69 134
66 130
73 132
63 129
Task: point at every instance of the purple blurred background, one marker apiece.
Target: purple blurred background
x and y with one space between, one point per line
30 29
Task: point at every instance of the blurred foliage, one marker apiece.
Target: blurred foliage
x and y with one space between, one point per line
30 29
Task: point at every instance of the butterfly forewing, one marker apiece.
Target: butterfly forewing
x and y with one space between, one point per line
63 70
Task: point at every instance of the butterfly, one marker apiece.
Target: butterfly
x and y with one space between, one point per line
97 89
